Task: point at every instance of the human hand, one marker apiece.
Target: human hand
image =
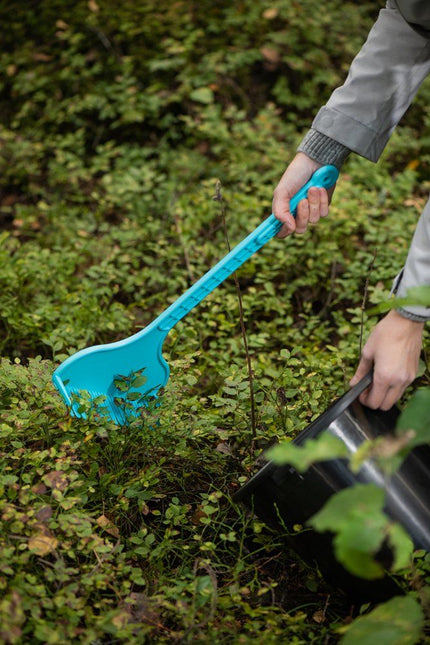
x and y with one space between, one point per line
309 210
393 350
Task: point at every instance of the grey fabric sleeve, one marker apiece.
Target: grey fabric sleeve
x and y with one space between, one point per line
361 115
381 83
417 14
416 272
323 149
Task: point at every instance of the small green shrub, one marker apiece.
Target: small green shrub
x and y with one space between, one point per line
117 124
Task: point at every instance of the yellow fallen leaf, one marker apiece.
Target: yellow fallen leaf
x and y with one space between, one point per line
93 6
413 164
270 13
121 619
42 543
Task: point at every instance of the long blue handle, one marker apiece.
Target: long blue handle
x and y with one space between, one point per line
324 177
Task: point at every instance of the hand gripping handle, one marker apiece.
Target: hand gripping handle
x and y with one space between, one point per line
324 177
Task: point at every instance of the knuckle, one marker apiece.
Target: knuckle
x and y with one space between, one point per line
366 354
407 377
383 377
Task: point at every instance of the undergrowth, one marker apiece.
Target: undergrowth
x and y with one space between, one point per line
119 125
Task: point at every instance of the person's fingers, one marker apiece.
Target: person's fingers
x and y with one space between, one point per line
288 226
314 201
302 216
375 396
294 178
325 200
383 392
385 389
281 208
391 385
309 211
393 350
393 394
364 367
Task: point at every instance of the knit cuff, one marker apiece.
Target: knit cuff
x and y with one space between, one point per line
323 149
410 316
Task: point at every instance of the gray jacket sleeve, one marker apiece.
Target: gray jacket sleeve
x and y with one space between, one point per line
416 272
361 115
382 81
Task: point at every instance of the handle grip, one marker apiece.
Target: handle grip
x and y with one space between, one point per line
324 177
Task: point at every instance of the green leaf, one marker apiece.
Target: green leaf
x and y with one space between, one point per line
356 516
133 396
401 545
416 416
413 429
415 297
121 384
360 499
9 480
138 381
396 622
301 457
358 563
202 95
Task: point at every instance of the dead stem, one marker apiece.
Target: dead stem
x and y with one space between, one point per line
363 304
218 198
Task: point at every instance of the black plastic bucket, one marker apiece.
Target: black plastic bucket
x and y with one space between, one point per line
284 498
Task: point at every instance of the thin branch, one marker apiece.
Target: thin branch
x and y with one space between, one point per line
218 198
363 304
178 227
329 298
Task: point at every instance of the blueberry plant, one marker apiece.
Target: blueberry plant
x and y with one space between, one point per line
119 124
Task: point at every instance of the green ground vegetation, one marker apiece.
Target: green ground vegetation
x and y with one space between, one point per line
119 122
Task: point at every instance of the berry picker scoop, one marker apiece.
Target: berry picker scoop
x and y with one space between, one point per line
119 376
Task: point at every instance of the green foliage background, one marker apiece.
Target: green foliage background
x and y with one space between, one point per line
117 122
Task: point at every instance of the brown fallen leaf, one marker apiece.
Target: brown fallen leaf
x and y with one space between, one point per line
319 616
108 526
44 513
270 54
39 489
56 480
41 57
224 448
60 24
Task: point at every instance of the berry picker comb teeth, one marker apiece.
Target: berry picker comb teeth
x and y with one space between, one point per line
118 377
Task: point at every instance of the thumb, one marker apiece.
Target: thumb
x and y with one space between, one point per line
288 221
364 367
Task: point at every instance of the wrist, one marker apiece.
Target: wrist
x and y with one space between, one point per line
304 160
405 321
